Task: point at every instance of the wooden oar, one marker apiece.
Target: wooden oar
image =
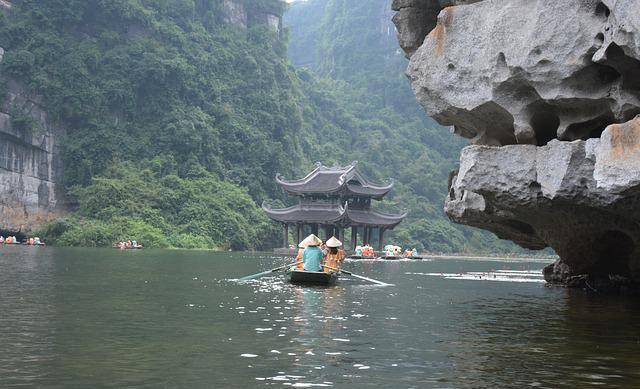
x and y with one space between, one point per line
357 276
264 273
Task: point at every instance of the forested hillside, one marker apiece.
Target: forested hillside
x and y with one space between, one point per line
178 119
352 44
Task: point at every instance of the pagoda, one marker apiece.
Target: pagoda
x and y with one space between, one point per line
332 200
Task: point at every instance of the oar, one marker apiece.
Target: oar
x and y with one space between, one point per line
357 276
264 273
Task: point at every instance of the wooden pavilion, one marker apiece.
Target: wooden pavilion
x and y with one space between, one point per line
331 200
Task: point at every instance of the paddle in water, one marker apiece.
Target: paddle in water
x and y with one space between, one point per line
358 276
264 273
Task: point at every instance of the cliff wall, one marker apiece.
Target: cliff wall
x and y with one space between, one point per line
238 13
547 92
30 166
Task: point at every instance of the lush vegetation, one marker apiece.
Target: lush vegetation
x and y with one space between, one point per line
131 80
161 209
177 121
351 44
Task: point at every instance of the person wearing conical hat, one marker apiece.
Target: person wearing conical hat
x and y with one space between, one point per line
312 255
335 256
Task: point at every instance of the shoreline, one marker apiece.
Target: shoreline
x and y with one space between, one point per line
482 257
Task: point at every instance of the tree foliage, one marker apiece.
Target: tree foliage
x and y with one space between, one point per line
177 123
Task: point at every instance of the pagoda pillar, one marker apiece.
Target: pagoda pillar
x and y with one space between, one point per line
285 236
314 229
367 235
298 233
354 237
328 232
381 238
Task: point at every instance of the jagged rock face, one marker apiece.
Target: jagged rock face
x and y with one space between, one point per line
415 18
524 74
239 14
234 13
533 84
580 197
30 166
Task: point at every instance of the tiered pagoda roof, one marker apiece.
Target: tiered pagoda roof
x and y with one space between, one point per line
341 185
330 214
333 181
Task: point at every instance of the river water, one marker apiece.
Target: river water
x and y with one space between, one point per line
86 318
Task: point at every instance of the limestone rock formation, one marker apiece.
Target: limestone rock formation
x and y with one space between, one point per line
533 84
240 14
30 166
415 18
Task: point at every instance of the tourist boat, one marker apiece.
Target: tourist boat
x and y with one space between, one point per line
127 248
390 257
311 277
354 256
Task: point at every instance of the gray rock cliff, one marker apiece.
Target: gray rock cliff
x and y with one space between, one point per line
548 93
239 14
30 166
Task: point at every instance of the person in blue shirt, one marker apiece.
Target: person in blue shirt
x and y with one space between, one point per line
312 255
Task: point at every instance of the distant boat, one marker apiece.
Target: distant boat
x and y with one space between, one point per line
115 246
311 277
355 256
390 257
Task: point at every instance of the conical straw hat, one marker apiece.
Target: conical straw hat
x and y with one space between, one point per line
310 240
333 242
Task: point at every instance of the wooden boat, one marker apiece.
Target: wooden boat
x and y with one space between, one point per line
391 257
362 256
311 277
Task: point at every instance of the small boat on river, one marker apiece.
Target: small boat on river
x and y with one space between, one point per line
362 256
391 257
311 277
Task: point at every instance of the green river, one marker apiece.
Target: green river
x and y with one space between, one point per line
90 318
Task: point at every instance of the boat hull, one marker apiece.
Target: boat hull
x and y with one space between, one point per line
390 257
362 257
311 277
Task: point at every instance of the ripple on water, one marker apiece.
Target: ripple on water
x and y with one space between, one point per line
534 276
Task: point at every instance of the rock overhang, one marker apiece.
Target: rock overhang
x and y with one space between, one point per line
533 85
522 74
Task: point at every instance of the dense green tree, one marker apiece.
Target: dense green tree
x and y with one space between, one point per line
177 122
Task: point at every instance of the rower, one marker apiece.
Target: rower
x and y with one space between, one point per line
335 256
312 254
